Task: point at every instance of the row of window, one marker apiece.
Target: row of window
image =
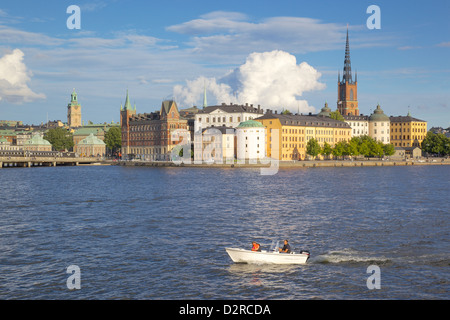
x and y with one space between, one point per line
406 137
223 119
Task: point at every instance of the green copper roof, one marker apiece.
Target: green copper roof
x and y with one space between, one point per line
37 140
127 105
378 115
91 139
250 124
325 111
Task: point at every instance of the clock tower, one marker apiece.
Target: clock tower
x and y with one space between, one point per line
74 111
347 103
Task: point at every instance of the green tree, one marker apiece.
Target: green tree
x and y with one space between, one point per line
436 144
313 148
389 149
326 150
113 139
378 149
60 138
339 149
336 115
353 147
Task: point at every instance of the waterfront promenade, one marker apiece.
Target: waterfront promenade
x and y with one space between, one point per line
292 164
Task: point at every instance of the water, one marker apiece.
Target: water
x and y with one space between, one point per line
160 233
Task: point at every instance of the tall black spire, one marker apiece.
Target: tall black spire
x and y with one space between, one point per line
347 64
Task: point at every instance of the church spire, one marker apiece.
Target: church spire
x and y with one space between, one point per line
347 64
205 102
127 103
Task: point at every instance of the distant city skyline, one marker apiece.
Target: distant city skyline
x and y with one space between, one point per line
283 55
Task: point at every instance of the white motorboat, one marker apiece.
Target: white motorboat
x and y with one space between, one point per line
264 256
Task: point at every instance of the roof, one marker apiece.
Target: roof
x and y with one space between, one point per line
378 115
250 124
232 108
407 118
222 129
305 121
37 140
90 140
325 111
86 131
361 117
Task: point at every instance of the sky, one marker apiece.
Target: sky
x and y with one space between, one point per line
280 55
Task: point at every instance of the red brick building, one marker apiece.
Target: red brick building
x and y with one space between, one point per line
150 136
347 87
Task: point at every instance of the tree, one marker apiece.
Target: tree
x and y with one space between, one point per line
353 147
113 139
389 149
339 149
313 148
60 138
336 115
436 144
326 150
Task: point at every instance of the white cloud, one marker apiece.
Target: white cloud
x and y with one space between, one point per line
14 77
231 32
270 79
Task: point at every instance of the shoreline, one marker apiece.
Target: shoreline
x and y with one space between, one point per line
287 164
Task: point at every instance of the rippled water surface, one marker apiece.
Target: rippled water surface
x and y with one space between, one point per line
160 233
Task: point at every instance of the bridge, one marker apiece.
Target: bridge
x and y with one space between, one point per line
46 161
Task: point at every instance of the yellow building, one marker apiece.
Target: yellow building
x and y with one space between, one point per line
407 131
287 135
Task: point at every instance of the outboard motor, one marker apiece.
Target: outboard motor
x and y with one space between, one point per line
305 252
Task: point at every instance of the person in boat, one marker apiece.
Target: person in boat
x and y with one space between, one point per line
256 246
286 248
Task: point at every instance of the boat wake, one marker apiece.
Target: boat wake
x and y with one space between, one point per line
348 256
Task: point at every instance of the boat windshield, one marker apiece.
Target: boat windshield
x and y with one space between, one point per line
275 245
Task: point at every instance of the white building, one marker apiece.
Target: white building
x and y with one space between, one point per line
215 145
359 124
379 125
225 116
250 140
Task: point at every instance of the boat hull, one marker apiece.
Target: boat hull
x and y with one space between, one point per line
247 256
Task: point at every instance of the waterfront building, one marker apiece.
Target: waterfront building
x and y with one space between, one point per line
5 145
287 135
379 126
215 144
407 131
250 140
37 143
359 124
98 130
151 136
74 111
347 103
225 115
91 146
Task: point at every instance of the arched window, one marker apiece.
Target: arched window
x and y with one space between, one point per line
351 94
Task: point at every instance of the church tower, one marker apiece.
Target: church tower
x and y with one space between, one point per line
125 114
347 103
74 111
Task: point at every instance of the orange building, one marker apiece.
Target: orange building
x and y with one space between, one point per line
287 135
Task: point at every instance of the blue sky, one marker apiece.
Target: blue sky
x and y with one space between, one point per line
161 49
